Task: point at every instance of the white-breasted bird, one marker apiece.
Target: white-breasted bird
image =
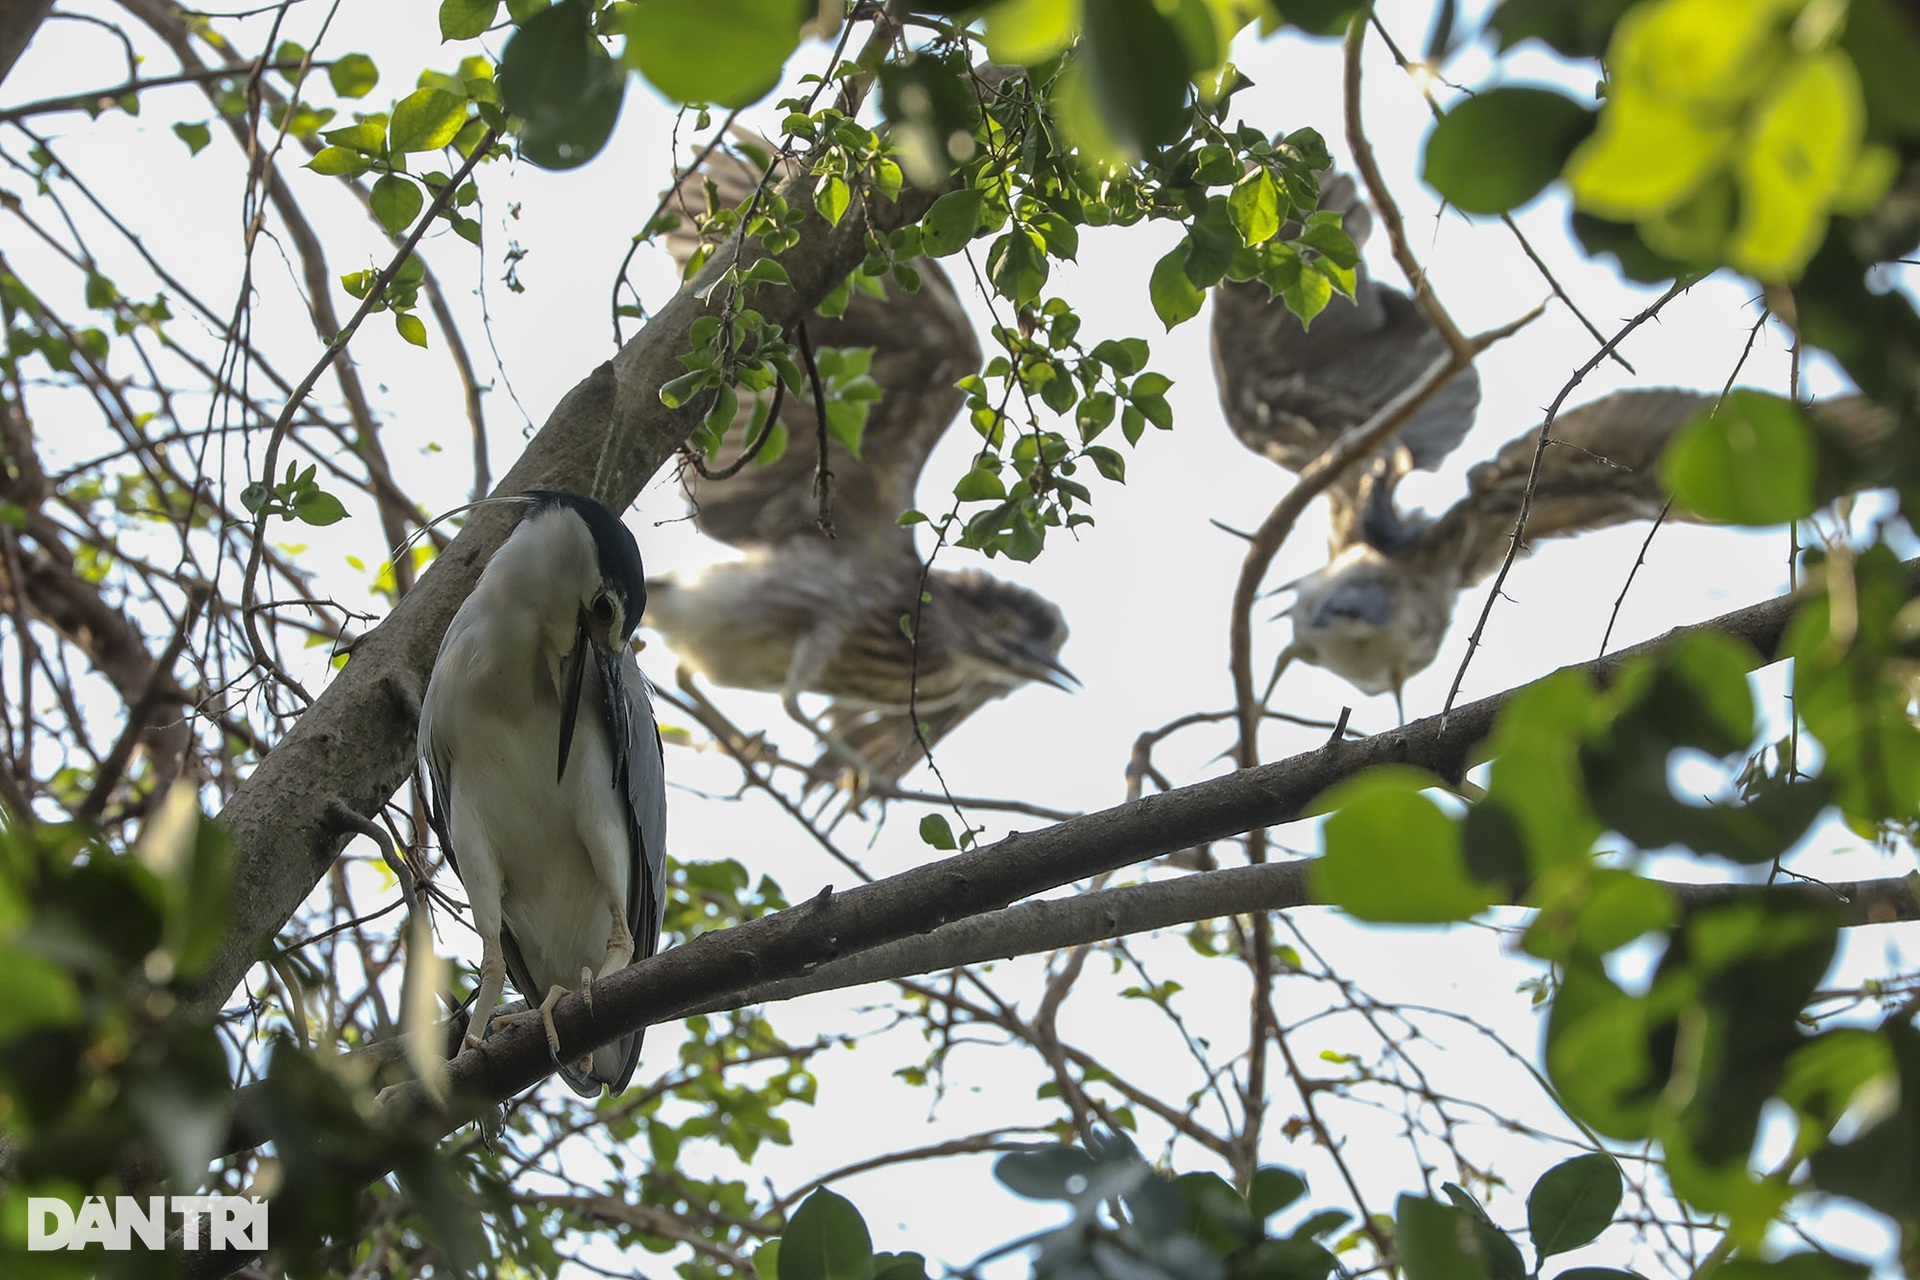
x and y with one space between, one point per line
545 778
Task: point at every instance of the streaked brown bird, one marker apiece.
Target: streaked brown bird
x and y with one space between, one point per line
1290 390
845 615
1378 612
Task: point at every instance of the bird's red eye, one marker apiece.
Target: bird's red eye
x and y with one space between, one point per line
602 607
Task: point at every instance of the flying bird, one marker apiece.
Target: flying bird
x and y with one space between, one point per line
1290 390
853 614
1377 613
546 786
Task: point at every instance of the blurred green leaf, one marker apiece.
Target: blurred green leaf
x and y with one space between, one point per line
1391 855
1750 463
671 43
559 79
353 75
195 135
1499 149
826 1239
1140 92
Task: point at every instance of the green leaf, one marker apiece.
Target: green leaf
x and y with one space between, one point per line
831 198
1273 1189
1499 149
338 162
368 136
1576 28
1176 299
1017 265
353 76
317 506
1111 464
672 44
1254 206
396 202
410 327
951 222
1572 1203
425 120
1211 243
1751 463
559 79
935 831
1443 1242
1028 32
34 992
1139 89
1391 855
465 19
196 136
1800 155
766 271
1049 1174
982 484
826 1239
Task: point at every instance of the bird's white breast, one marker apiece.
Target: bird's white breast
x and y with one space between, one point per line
495 712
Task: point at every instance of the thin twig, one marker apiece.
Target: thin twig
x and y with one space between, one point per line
1533 477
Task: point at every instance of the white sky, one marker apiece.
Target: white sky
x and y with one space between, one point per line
1146 590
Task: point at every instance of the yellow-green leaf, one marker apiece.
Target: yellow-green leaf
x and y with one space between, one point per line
1026 32
425 120
1799 157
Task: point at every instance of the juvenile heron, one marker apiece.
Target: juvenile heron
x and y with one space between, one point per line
1290 390
545 780
805 612
1378 612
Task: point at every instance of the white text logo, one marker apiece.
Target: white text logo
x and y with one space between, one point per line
232 1222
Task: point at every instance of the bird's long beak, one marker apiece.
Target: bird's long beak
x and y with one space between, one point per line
1038 664
570 696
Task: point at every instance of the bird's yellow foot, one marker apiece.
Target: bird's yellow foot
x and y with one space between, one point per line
546 1021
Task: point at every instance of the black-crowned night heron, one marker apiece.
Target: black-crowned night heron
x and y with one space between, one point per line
1379 610
546 784
803 612
1290 390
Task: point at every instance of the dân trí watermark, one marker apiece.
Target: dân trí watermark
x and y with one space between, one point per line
232 1222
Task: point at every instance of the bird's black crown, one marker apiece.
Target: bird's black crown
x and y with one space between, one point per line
613 543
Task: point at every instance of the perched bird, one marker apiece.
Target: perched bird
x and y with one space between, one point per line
1377 613
545 780
852 614
1290 390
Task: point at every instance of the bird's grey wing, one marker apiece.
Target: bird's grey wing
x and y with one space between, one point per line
639 775
645 782
1601 468
922 343
1290 390
433 765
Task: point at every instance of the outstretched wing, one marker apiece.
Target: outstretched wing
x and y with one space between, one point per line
1290 390
1601 468
922 342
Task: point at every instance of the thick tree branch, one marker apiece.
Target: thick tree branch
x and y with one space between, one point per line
19 19
938 915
